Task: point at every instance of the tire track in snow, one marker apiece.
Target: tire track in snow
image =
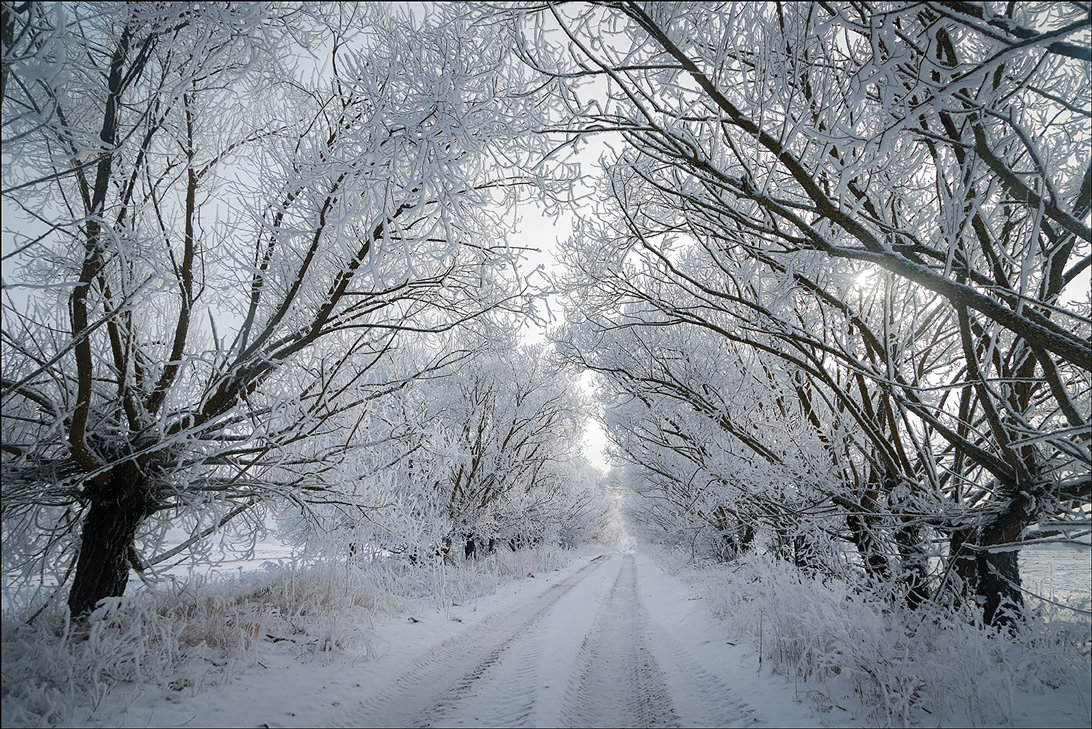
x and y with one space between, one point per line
444 676
701 697
526 685
618 681
505 692
701 679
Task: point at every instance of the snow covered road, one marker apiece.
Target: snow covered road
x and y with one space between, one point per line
610 640
587 651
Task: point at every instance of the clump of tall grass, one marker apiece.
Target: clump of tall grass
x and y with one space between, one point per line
931 666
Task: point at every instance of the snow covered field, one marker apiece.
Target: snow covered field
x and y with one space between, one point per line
1059 572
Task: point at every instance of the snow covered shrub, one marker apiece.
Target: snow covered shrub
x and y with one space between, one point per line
477 577
315 606
35 682
54 668
180 634
931 666
441 585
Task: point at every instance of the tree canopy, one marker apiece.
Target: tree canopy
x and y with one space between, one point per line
831 268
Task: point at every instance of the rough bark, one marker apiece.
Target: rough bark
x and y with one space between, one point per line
875 561
915 563
109 528
998 574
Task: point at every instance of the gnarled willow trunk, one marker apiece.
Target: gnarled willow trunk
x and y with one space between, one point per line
875 561
992 577
117 510
999 587
915 562
998 573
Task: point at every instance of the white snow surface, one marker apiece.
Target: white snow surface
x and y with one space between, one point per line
611 640
608 639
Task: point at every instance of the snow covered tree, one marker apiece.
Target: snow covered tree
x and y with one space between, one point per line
939 150
220 219
500 450
463 460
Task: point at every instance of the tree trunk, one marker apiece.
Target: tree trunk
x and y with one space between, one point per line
994 577
744 537
102 569
998 583
998 576
875 561
962 562
915 562
735 534
998 573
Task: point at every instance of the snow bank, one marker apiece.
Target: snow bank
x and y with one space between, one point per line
930 667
